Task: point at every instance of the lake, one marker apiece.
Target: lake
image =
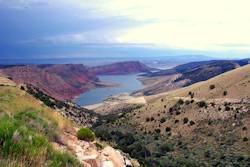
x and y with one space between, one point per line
127 83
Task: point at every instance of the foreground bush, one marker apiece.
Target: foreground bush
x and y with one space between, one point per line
22 143
85 134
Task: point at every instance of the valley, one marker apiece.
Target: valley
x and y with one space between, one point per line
199 125
67 81
199 118
134 83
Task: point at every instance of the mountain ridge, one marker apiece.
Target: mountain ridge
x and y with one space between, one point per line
186 74
65 82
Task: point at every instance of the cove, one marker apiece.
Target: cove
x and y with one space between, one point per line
127 84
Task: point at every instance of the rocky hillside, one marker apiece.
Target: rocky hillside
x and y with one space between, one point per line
57 81
77 114
187 74
32 134
205 124
121 68
64 82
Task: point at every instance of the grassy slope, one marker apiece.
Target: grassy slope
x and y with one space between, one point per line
26 130
5 81
235 82
157 135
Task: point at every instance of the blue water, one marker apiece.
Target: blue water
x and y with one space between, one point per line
127 83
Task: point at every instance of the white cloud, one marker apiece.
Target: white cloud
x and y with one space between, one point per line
22 4
189 24
219 25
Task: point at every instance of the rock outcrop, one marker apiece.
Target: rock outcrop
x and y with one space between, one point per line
91 156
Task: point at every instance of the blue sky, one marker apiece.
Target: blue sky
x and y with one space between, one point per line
76 28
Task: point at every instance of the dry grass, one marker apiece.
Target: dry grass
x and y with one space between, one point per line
7 82
13 100
219 131
235 82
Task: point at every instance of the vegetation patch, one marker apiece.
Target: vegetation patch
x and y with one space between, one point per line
85 134
26 142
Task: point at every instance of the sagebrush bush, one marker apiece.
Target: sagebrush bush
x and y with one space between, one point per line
212 87
166 147
185 120
202 104
180 101
157 130
225 93
85 134
168 129
191 123
245 139
163 120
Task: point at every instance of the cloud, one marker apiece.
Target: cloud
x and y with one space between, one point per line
22 4
78 38
192 24
198 25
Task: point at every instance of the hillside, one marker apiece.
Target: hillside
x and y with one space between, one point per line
205 124
51 81
235 83
33 134
65 82
27 130
187 74
121 68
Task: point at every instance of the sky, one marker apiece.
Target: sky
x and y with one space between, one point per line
85 28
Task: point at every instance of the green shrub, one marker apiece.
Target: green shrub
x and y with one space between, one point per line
187 102
85 134
157 130
34 122
227 108
185 120
62 159
168 129
180 101
245 139
202 104
178 113
244 128
212 87
163 120
171 110
24 145
99 146
225 93
166 147
191 123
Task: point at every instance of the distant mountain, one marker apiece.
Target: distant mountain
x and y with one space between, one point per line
55 80
66 81
187 74
120 68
